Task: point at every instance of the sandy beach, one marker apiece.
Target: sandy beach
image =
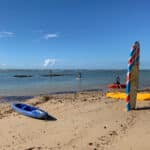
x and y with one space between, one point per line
84 121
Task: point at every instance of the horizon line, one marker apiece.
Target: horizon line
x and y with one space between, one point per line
68 69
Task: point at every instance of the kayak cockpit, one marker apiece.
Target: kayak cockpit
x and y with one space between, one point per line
25 107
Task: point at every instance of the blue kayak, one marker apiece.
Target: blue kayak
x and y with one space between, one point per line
29 110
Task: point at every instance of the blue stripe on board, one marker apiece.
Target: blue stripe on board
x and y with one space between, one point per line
128 88
128 107
132 52
137 59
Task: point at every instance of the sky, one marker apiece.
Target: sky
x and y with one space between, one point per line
73 34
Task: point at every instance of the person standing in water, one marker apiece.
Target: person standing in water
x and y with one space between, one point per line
117 80
79 75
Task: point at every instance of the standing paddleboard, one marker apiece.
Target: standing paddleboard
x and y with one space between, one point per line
132 77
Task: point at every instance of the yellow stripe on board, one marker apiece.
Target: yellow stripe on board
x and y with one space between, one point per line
120 95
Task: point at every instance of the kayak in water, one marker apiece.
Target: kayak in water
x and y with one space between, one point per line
116 86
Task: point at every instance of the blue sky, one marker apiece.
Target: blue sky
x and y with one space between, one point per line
73 34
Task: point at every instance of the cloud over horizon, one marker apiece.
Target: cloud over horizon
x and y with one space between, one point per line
6 34
49 62
50 36
3 65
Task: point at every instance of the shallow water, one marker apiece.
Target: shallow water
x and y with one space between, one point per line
38 84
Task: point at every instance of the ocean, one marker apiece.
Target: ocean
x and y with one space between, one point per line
39 84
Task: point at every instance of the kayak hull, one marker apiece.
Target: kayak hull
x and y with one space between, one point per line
116 86
29 111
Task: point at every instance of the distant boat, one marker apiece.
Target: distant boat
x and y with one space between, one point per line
52 75
22 76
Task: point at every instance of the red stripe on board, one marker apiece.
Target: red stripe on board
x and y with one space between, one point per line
127 98
133 47
130 61
137 64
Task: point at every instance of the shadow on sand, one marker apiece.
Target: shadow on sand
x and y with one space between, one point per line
50 118
47 118
143 108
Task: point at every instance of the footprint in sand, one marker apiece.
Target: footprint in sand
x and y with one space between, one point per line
95 145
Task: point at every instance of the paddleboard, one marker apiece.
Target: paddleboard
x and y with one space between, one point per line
145 96
132 77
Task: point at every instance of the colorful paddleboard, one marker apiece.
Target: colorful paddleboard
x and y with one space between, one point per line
132 77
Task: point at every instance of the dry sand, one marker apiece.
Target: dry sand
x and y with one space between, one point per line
85 121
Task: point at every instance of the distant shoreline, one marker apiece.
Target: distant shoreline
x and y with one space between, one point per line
113 69
9 99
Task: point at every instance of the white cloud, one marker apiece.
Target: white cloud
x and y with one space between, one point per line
3 65
6 34
50 36
38 31
49 62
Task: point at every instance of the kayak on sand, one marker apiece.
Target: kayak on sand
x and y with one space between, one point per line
29 111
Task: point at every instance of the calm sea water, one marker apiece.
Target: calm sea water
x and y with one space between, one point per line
37 84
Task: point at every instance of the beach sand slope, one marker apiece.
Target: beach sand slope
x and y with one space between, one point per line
84 121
